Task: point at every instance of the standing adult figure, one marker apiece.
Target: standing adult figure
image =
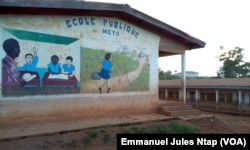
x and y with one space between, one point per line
10 74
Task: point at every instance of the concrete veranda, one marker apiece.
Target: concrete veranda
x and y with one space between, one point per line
8 131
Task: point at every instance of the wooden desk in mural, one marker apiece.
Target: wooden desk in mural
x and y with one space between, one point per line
33 82
71 81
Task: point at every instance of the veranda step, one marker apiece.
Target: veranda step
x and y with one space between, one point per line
172 104
176 113
177 107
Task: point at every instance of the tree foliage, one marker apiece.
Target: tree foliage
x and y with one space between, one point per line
233 65
166 75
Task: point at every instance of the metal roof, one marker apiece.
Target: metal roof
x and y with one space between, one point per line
122 11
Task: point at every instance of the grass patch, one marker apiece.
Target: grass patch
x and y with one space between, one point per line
86 140
142 130
71 143
163 129
60 142
124 131
117 125
44 146
176 128
103 133
92 134
107 138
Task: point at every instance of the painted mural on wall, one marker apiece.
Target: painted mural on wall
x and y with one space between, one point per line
78 54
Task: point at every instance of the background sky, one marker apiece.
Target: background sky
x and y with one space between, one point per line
216 22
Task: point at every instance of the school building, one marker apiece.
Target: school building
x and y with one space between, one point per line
218 95
87 31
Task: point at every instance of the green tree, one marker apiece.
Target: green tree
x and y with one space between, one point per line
233 65
166 75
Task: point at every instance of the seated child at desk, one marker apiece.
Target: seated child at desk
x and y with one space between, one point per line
54 67
31 61
68 67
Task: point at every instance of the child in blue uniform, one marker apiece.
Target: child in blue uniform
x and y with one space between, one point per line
31 61
105 72
54 66
68 67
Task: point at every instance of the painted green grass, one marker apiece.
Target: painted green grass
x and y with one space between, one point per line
91 59
142 82
123 64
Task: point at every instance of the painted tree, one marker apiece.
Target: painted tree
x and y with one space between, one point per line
233 65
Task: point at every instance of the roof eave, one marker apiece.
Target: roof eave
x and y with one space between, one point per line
122 11
205 87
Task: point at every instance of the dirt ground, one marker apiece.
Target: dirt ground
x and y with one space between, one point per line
104 138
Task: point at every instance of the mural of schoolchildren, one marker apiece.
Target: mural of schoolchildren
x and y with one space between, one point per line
10 74
68 67
54 66
31 61
105 72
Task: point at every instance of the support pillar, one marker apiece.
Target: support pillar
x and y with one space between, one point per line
239 100
166 93
247 99
225 97
217 99
183 80
197 97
